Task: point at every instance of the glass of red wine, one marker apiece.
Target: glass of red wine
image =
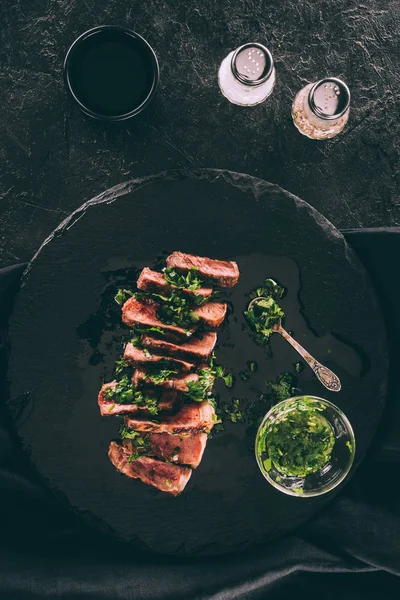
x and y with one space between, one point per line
111 72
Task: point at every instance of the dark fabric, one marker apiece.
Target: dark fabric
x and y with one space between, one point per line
350 550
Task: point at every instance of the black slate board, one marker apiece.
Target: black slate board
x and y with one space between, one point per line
66 333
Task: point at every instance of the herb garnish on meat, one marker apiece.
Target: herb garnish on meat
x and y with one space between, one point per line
140 442
200 389
175 309
125 393
188 281
122 296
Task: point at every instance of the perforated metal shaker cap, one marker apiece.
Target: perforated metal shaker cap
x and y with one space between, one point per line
329 98
252 64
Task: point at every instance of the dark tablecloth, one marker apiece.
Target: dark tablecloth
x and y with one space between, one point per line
350 550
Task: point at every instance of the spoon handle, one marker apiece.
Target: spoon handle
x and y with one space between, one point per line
325 375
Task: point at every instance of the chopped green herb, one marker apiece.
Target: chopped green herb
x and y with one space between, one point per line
122 296
228 380
255 412
141 445
298 490
298 367
252 365
174 309
349 445
299 441
269 289
188 281
244 375
168 482
200 389
125 393
267 464
233 411
120 366
281 389
136 340
262 316
144 329
158 375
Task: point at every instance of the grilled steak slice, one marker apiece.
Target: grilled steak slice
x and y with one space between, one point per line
184 450
164 476
153 281
135 356
168 402
199 346
144 313
224 272
191 418
212 313
143 377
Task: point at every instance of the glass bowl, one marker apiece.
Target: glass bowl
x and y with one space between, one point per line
332 473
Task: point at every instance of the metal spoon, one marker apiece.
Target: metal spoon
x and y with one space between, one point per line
325 375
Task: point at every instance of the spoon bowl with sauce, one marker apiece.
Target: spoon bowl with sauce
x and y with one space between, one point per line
272 314
305 446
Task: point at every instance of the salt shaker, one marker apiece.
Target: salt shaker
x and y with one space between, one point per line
321 110
247 75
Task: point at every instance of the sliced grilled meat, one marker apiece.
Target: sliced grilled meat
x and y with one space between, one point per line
224 272
191 418
212 313
144 313
153 281
163 476
168 402
184 450
142 377
136 356
199 346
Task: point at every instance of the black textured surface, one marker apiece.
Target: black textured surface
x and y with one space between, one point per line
59 357
53 158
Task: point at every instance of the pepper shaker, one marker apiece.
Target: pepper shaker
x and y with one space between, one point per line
321 110
247 75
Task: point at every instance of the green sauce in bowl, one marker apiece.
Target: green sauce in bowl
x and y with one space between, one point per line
305 446
299 442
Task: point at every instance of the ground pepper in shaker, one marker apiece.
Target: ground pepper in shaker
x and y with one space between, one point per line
247 75
321 110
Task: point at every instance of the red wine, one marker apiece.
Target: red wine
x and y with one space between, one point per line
111 72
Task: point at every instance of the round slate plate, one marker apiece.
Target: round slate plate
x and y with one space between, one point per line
66 333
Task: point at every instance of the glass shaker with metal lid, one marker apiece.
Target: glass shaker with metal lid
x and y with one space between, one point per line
321 110
247 75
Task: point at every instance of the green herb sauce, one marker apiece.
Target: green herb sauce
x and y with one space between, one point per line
265 312
188 281
299 442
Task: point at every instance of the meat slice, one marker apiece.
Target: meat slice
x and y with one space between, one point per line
163 476
153 281
184 450
168 402
212 313
135 356
142 377
191 418
199 347
144 313
224 272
